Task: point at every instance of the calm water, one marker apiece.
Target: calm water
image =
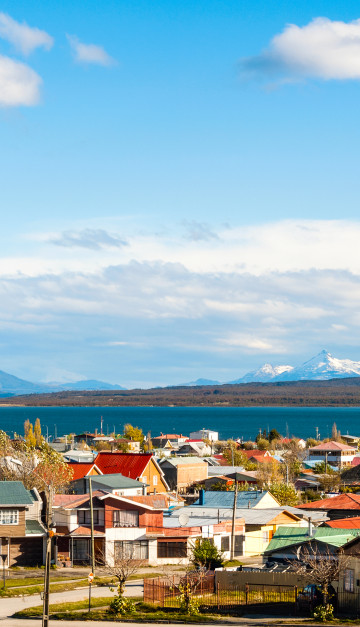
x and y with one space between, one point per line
228 421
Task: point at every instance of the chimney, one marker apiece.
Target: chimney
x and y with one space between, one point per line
310 528
202 497
144 489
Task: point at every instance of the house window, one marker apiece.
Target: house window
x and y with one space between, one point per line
125 518
265 536
138 550
349 580
171 549
155 480
239 545
9 517
84 517
225 543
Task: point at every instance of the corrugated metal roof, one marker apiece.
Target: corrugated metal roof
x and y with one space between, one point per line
342 501
175 461
115 481
246 499
80 469
14 493
290 536
332 446
251 516
34 527
128 464
345 523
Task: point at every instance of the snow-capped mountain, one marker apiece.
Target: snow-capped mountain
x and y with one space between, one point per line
322 366
266 373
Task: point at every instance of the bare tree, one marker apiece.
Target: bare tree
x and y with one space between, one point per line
320 567
120 564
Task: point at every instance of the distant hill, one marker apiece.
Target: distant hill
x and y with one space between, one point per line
13 386
343 392
200 382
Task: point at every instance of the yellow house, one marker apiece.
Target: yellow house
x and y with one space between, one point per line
261 524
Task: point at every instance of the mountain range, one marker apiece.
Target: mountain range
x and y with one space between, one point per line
13 386
321 367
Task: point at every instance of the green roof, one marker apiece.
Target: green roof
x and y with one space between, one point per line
290 536
14 493
115 481
33 527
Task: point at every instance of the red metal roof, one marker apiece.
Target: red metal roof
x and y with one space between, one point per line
255 452
342 501
345 523
80 469
355 461
332 446
128 464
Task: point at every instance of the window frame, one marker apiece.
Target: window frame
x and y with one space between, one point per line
122 515
349 580
11 513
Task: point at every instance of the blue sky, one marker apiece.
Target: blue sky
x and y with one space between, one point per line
179 187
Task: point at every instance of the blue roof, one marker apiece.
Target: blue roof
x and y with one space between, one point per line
246 499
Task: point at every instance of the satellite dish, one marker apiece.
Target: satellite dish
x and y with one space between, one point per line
183 519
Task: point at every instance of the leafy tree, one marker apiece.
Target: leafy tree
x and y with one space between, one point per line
263 444
233 455
204 554
310 442
133 433
122 446
220 487
42 468
274 435
268 473
37 432
30 439
322 468
285 494
103 446
248 446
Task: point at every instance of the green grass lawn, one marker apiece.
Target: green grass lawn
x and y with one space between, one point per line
143 613
62 586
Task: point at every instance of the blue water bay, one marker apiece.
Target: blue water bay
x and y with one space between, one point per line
230 422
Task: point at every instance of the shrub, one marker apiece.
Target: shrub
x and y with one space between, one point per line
324 613
121 605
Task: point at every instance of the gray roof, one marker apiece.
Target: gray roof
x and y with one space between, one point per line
175 461
115 481
14 493
251 516
246 499
226 470
194 521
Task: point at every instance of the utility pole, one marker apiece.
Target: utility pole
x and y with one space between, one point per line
326 462
232 552
50 533
92 528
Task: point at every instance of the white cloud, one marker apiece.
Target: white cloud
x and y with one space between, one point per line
94 239
89 53
253 343
19 84
322 49
24 38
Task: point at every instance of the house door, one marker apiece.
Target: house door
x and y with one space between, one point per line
81 550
